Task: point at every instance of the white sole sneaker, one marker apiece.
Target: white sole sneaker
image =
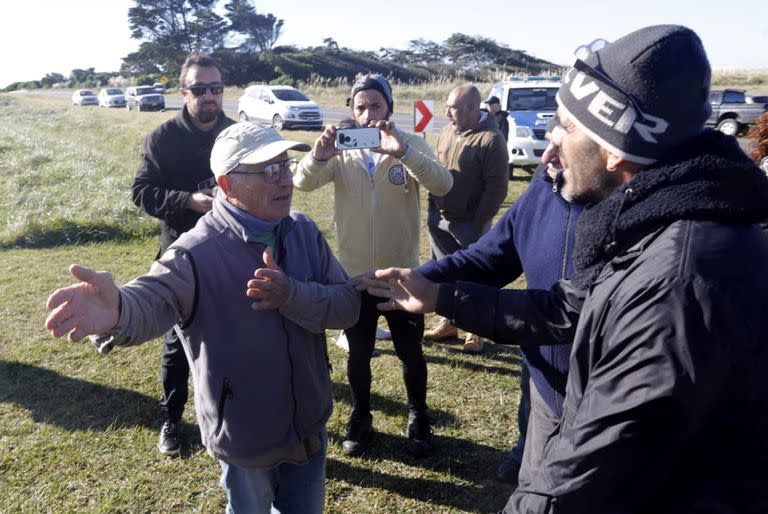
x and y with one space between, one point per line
343 343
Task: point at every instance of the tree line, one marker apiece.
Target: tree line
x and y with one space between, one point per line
244 42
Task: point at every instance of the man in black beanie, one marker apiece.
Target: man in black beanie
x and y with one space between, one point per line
666 401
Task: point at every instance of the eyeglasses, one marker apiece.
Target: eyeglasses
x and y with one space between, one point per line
597 74
584 51
216 88
272 172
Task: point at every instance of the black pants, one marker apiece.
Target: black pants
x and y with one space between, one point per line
174 373
447 237
407 331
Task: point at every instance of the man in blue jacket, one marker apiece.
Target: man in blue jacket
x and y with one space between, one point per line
534 237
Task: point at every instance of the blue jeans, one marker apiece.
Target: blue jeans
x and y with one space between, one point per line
286 488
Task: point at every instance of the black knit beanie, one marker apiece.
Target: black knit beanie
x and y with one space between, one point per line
641 95
373 81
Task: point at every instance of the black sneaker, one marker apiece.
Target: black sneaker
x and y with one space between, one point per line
169 442
508 472
359 432
419 434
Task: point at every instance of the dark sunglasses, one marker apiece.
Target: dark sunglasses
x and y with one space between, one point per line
216 88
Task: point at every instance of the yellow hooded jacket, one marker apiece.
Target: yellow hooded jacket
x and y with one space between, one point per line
377 220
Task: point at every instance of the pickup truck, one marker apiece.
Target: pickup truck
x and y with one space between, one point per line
731 113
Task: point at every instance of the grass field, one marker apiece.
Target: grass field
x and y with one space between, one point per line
78 430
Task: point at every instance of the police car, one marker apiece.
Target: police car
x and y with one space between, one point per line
530 103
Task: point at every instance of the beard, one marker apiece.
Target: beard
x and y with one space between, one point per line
205 116
205 112
594 182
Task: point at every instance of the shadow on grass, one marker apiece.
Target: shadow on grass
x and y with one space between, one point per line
467 461
71 403
387 406
484 362
67 232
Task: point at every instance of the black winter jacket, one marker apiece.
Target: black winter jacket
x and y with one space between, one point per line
667 399
175 160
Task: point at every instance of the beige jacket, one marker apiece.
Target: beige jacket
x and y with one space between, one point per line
377 220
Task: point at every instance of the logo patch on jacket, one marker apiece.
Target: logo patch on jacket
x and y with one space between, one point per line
397 174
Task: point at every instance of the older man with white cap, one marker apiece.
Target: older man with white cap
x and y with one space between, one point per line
250 289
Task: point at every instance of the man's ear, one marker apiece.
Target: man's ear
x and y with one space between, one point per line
613 161
626 169
225 184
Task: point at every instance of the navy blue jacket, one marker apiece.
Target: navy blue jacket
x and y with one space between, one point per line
535 237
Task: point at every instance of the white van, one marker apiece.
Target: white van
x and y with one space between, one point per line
530 103
279 106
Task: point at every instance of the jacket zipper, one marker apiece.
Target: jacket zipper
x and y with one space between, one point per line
226 393
293 385
372 182
283 256
567 241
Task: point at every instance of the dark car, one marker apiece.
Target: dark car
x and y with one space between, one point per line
731 112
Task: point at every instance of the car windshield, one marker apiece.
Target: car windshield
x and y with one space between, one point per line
532 99
147 90
114 91
290 95
86 92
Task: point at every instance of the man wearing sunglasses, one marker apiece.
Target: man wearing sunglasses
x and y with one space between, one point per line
174 164
666 399
251 289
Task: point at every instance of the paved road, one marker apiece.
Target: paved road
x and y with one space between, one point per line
173 101
404 121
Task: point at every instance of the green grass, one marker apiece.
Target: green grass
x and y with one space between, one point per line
78 430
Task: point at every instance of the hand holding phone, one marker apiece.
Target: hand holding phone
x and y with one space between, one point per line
356 138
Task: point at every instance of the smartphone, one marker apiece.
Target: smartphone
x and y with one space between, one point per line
353 138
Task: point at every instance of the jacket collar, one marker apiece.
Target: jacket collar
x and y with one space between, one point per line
709 178
223 216
485 122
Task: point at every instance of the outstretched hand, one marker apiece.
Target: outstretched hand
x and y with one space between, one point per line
89 307
270 286
405 288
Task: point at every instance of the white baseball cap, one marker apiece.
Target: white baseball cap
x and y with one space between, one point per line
248 143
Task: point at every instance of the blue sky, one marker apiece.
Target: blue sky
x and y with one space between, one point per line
45 36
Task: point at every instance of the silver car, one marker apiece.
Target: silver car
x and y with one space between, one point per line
144 98
84 97
111 97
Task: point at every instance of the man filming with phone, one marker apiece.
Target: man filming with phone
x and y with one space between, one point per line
377 214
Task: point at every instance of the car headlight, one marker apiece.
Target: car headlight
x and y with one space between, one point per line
523 131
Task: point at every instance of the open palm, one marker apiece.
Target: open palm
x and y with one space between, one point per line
91 306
